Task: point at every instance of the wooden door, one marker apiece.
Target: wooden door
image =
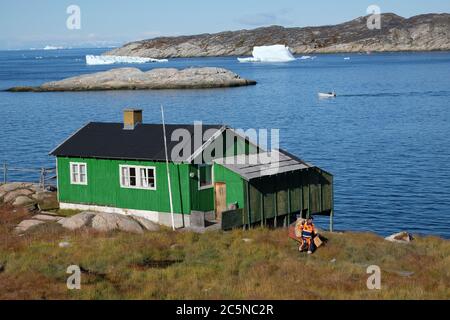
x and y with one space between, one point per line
220 192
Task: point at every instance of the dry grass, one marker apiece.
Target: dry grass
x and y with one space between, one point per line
215 265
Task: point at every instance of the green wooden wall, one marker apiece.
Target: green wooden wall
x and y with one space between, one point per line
279 198
291 193
203 200
234 185
104 186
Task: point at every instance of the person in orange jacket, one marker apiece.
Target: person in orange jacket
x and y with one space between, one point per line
308 232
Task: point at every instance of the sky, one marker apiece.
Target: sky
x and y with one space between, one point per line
28 24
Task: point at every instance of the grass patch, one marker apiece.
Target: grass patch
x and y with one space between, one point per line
65 212
219 265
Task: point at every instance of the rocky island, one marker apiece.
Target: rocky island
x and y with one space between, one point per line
135 79
419 33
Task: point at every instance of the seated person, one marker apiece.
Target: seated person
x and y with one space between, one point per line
308 232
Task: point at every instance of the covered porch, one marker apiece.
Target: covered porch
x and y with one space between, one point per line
274 194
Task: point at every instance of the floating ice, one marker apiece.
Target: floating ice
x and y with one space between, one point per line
275 53
52 48
307 58
102 60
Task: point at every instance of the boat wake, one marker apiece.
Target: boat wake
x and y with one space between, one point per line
400 94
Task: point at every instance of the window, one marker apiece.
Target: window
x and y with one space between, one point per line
78 173
147 177
205 178
137 177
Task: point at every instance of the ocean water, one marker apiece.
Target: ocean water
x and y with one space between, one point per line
386 137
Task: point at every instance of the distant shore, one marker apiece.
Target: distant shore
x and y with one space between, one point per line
427 32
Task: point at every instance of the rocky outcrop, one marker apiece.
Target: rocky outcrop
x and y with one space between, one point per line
77 221
37 220
147 224
107 222
26 225
420 33
135 79
21 194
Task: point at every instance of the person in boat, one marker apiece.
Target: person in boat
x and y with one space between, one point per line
308 232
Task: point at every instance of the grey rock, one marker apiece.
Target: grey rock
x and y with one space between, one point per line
12 186
11 196
22 201
43 195
135 79
106 222
147 224
419 33
26 225
77 221
46 200
44 217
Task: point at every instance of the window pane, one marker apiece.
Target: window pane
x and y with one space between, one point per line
208 175
82 170
151 178
74 173
132 176
143 175
205 175
124 176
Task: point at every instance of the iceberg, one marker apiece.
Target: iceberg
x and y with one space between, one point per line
104 60
307 58
275 53
52 48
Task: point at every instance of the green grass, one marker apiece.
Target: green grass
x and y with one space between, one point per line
217 266
65 212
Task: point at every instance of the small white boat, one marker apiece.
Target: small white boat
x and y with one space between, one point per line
327 95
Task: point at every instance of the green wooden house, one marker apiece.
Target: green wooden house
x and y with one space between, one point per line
121 168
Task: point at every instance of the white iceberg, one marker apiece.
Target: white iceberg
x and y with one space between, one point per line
103 60
52 48
275 53
307 58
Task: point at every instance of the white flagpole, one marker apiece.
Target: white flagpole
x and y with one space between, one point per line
167 168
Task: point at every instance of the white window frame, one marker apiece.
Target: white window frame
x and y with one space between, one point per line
212 177
138 177
75 181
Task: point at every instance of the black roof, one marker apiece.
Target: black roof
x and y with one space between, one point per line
111 141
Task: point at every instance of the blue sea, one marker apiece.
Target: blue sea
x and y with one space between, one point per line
386 137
